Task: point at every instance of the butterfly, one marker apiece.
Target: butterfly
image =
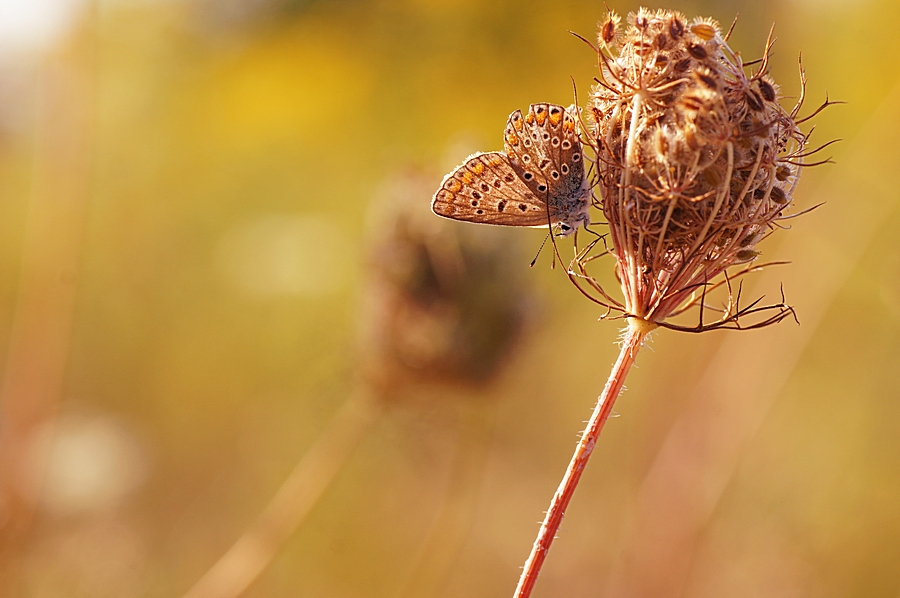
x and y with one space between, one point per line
538 180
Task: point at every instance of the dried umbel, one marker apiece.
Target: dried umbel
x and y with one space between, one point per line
696 159
444 304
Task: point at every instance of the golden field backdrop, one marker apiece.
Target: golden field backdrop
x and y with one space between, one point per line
186 209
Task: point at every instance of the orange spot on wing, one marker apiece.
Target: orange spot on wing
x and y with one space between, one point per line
495 160
530 118
512 139
467 178
517 123
541 117
478 167
555 118
569 126
454 186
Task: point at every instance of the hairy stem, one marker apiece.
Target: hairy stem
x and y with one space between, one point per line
634 337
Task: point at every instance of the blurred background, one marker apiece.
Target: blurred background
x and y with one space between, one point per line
202 261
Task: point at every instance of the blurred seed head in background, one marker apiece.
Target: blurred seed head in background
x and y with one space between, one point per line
443 302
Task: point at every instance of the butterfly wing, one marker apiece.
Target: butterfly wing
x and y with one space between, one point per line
570 155
486 189
522 145
545 150
557 129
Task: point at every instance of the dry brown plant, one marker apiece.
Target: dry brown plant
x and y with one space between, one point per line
695 162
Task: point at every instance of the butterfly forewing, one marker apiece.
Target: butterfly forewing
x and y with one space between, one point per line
488 190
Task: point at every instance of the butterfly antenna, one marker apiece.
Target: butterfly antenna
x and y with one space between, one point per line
555 250
534 261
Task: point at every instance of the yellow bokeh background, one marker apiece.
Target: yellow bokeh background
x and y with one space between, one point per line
185 191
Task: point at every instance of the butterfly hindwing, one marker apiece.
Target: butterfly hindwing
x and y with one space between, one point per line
486 189
544 125
523 146
570 156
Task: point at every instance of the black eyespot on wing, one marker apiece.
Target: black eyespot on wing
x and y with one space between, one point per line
479 212
497 183
546 136
526 158
501 205
523 207
566 144
527 176
509 178
576 157
485 187
476 195
564 168
554 142
554 174
542 187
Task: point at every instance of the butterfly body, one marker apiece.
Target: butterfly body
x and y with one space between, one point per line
538 179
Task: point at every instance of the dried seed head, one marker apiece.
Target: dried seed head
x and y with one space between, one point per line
444 303
695 159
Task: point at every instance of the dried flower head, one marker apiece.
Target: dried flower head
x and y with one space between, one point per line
444 304
696 161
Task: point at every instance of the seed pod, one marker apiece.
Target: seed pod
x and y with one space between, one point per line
608 30
767 90
745 255
705 77
778 195
753 100
697 51
704 31
676 27
783 172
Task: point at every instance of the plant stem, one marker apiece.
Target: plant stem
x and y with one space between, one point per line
634 337
312 475
448 533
